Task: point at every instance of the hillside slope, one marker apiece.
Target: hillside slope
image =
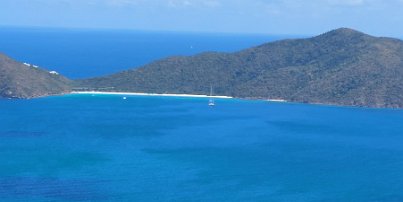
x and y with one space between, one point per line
21 81
343 67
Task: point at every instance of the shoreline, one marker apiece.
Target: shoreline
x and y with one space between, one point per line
147 94
276 100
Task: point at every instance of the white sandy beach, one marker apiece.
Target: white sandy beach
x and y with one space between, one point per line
277 100
147 94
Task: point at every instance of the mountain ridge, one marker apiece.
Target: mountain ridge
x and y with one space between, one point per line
18 80
342 66
338 67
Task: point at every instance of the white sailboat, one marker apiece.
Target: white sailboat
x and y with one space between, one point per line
211 100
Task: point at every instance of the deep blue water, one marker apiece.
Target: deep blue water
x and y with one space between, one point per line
87 53
104 148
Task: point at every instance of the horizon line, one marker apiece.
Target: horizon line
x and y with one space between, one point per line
150 30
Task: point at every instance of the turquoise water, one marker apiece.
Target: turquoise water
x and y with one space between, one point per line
104 148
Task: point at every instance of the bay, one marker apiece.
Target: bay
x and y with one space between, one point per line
104 148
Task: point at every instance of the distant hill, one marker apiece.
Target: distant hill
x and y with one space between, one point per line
342 67
18 80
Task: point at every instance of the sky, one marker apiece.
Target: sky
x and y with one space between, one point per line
293 17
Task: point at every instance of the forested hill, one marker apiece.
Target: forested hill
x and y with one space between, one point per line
18 80
343 67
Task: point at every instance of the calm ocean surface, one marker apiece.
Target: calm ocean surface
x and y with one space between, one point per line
104 148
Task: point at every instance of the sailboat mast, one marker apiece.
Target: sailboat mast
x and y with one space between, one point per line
211 90
211 101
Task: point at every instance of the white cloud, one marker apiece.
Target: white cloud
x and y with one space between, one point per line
280 16
213 3
179 3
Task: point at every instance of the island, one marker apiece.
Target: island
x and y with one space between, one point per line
339 67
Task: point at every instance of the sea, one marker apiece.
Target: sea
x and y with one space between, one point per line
106 148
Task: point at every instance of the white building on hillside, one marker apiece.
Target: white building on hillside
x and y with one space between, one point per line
53 72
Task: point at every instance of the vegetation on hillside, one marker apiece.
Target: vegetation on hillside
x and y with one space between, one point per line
19 80
343 67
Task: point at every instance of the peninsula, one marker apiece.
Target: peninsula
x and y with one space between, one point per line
340 67
23 80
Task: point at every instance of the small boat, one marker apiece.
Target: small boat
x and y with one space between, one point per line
211 103
211 100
